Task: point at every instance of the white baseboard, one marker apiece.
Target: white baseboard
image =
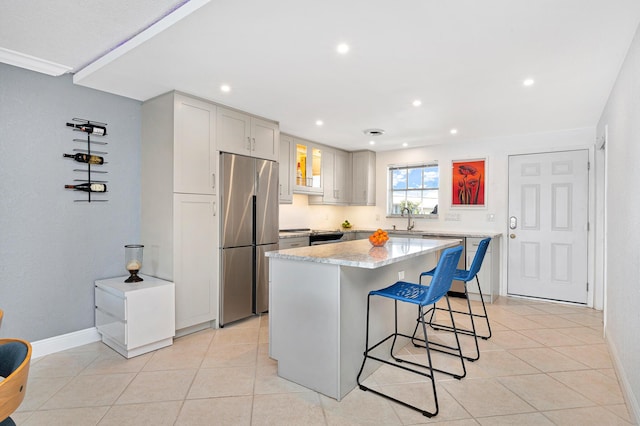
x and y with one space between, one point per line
627 390
64 341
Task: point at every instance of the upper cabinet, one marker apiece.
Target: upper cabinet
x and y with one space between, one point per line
364 178
243 134
194 150
336 173
285 190
307 167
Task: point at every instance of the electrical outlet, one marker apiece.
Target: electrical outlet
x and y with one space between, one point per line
452 217
491 217
401 275
377 217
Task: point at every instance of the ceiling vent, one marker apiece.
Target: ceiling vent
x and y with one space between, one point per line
373 132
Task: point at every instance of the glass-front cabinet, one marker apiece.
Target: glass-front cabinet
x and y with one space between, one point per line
308 168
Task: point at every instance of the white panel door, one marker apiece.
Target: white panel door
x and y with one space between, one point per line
548 217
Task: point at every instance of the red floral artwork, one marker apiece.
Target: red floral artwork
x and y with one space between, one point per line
468 183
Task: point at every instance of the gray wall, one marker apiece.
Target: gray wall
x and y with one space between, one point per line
622 308
51 248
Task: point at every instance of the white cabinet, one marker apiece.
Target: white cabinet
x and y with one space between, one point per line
135 318
195 259
179 224
336 175
364 178
285 191
489 271
195 157
308 167
243 134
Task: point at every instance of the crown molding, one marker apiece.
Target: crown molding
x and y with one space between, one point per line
32 63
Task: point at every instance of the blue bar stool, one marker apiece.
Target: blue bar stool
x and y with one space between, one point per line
421 295
465 276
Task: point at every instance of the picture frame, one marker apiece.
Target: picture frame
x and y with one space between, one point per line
469 183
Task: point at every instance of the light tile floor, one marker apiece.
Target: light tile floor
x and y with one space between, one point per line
545 364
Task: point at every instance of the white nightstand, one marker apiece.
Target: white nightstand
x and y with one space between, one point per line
135 318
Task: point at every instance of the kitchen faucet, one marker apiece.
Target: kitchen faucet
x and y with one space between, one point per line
409 224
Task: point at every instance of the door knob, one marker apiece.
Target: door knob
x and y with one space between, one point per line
512 235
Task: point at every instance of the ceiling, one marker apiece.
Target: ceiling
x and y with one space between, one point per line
466 60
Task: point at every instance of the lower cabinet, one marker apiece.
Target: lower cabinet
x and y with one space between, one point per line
135 318
195 259
488 271
294 242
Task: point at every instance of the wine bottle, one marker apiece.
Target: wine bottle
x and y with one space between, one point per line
85 158
88 187
299 175
90 128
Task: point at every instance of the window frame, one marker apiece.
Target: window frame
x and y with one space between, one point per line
391 191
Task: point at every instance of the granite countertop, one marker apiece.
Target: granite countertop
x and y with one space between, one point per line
361 254
418 233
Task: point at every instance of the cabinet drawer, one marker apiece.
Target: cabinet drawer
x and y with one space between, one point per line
111 304
287 243
111 326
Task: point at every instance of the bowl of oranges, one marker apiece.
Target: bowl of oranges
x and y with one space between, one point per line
379 238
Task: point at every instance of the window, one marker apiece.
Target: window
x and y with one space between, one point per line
414 187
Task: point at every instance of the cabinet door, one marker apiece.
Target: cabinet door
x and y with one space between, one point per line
364 179
233 132
328 183
194 146
342 177
265 139
484 275
308 166
195 259
286 173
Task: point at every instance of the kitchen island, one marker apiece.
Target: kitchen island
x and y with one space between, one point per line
318 306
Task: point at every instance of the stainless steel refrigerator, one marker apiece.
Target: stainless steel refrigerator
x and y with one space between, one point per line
249 228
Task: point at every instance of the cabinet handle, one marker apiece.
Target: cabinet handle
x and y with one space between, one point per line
213 181
214 208
248 143
254 144
280 189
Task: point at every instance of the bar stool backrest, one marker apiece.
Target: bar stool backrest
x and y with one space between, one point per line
478 258
443 276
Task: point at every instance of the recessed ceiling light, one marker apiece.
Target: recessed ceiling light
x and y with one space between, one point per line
528 82
225 88
453 131
417 103
319 122
405 144
343 48
372 142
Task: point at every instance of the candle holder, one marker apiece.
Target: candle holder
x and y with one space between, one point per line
133 262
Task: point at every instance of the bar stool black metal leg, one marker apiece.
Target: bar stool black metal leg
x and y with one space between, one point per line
484 310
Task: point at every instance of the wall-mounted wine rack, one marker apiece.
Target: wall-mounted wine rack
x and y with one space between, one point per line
94 187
